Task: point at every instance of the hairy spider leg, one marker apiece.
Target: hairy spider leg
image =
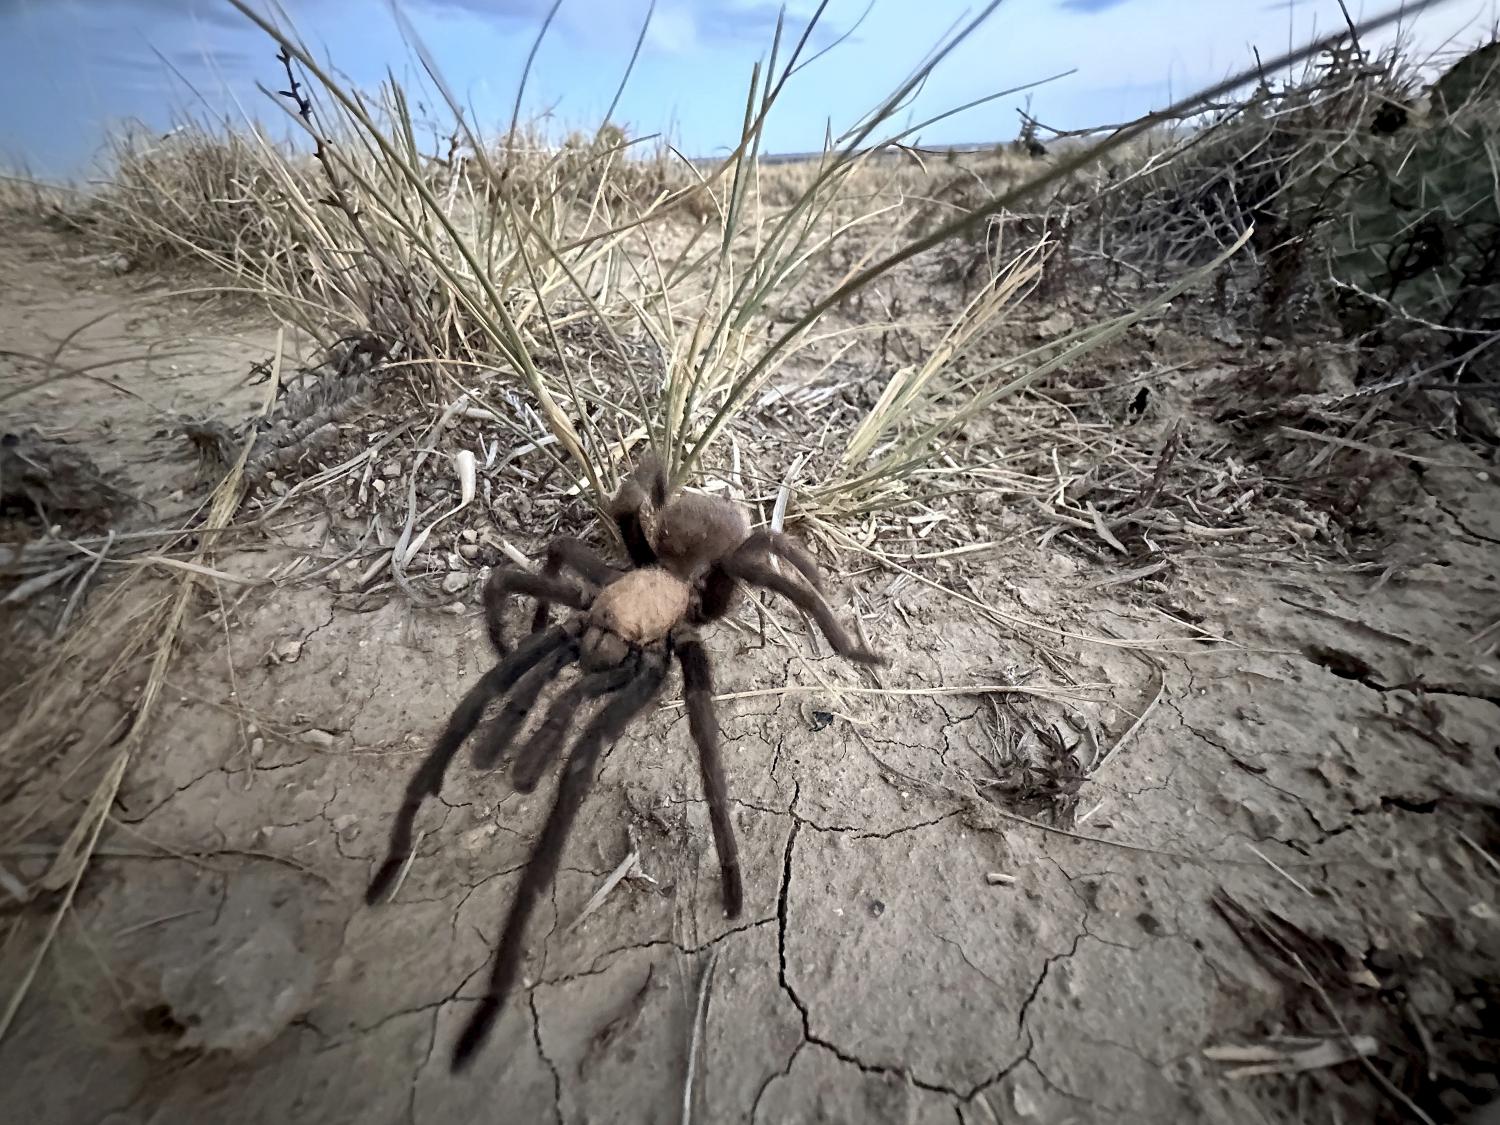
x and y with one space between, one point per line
784 546
607 725
427 781
650 478
513 580
718 586
584 561
546 740
703 723
757 572
715 594
637 544
495 739
647 483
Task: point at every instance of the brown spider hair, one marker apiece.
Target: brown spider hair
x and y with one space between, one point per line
690 555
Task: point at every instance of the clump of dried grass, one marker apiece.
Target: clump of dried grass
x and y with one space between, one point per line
1282 454
484 266
1365 194
25 194
204 191
566 273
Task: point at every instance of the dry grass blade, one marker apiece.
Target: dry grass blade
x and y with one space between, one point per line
630 865
1293 1057
1133 729
860 487
700 1015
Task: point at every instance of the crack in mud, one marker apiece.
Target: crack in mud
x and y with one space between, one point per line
1345 665
536 1037
411 1097
1356 669
773 1077
602 962
316 629
854 832
1041 979
1443 506
808 1036
964 956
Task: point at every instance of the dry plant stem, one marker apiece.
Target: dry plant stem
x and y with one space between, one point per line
1276 867
115 310
85 837
1484 855
1198 860
998 615
700 1019
403 543
67 613
913 450
195 857
411 857
1134 727
1379 451
85 372
110 786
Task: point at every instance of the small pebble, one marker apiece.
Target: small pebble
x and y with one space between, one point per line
455 582
469 535
470 551
996 879
257 749
287 652
390 469
318 738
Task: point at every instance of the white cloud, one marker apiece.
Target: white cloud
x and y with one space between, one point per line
673 31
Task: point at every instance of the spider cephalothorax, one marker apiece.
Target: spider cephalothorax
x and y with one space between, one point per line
690 554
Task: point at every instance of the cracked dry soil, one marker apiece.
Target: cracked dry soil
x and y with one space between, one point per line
1333 772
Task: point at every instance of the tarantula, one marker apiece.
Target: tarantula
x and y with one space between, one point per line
690 554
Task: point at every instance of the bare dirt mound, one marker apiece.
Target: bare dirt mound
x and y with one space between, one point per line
1229 854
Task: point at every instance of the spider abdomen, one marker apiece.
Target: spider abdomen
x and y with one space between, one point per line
641 606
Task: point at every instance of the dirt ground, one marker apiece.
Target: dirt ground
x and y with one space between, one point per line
1283 838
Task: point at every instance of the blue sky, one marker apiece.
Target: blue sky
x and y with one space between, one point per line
69 69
